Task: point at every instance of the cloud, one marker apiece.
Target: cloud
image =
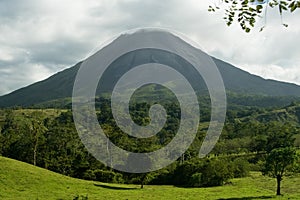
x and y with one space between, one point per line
275 72
32 72
41 37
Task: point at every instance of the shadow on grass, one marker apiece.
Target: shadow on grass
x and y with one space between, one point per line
248 198
114 187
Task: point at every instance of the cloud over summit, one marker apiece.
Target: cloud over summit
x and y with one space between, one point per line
39 38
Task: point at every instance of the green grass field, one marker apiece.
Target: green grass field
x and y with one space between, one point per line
19 180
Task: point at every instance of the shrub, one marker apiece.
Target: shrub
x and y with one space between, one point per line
203 173
196 180
161 177
183 173
240 168
216 172
89 175
103 176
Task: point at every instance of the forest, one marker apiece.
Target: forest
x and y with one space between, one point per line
253 139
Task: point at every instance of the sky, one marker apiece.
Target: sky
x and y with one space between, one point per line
41 37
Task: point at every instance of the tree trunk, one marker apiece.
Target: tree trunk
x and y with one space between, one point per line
35 152
108 149
143 179
278 178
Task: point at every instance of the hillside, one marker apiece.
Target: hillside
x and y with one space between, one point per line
60 85
243 82
288 114
24 181
55 87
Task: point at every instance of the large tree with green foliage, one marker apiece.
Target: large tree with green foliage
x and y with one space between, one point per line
273 135
278 163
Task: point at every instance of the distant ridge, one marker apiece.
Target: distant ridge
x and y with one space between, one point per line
240 81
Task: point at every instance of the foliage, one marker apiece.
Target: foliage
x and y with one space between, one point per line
240 167
277 163
22 136
209 172
246 12
216 173
279 160
103 176
279 136
245 139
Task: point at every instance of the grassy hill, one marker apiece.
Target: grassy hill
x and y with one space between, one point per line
19 180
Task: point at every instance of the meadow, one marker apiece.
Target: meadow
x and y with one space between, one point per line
20 180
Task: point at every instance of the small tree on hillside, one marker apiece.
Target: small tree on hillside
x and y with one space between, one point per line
37 130
135 164
277 163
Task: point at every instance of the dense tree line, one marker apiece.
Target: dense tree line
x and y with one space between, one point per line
50 140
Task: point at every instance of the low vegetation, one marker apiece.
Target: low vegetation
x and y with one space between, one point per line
23 181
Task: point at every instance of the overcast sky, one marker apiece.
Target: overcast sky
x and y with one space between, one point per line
41 37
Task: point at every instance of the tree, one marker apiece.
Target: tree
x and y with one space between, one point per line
279 136
135 164
35 129
277 163
64 151
23 135
273 135
246 12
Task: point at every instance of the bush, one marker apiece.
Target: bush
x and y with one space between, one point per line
240 168
103 176
216 173
89 175
196 180
183 173
162 177
257 166
203 173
